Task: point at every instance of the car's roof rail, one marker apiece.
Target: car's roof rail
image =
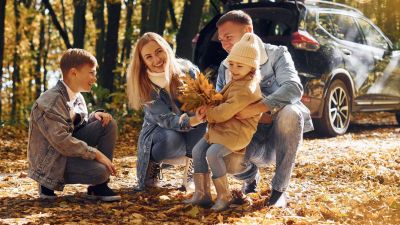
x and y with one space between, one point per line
334 5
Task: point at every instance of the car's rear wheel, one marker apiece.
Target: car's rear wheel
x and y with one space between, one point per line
337 109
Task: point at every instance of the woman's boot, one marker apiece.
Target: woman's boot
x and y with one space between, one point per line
202 193
224 196
153 174
187 180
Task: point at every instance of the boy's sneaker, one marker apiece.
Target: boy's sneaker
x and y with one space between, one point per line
102 192
45 193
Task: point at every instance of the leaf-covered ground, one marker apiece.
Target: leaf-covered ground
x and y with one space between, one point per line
351 179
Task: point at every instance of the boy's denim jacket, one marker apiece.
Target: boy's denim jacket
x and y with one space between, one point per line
50 137
280 83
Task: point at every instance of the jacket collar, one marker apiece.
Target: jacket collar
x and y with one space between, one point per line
60 86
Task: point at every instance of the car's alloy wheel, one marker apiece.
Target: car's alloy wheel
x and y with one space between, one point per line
338 106
337 109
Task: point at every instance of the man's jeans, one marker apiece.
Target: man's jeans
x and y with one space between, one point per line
171 144
81 171
277 142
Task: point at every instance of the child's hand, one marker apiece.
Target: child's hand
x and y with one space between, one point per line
201 113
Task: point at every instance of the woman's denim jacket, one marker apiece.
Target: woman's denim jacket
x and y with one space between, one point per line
280 83
160 112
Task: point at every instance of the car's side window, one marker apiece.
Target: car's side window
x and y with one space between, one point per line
372 36
346 28
325 21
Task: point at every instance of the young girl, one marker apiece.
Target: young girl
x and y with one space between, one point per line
227 134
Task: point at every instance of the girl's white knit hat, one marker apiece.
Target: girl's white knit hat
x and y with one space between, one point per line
246 51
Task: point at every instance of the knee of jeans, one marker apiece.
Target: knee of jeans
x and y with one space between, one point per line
197 153
168 144
212 154
101 175
287 117
112 126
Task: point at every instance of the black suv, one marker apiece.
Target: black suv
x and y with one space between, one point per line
345 62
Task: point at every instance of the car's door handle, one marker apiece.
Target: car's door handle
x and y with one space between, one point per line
346 51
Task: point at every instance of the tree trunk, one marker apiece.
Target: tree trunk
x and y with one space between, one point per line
2 18
63 16
79 23
16 61
56 23
189 27
46 53
98 17
145 14
39 56
156 17
126 48
172 15
111 46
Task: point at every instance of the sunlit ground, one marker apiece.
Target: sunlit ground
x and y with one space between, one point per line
351 179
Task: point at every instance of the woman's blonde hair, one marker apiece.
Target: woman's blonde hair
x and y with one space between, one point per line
139 86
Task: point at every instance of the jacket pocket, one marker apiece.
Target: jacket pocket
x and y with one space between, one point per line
46 160
269 85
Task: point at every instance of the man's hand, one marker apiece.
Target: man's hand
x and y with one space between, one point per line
252 110
265 118
101 158
105 118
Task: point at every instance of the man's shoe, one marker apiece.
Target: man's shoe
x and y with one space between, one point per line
102 192
45 193
250 186
277 199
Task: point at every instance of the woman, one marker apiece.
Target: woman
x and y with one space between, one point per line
152 83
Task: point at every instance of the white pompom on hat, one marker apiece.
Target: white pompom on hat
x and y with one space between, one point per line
246 51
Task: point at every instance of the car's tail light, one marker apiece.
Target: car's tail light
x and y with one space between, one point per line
305 99
303 40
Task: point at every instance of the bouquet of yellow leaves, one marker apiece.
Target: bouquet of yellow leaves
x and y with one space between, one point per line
197 92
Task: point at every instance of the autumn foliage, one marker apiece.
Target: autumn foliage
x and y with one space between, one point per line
196 92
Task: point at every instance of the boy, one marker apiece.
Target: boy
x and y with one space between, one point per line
62 137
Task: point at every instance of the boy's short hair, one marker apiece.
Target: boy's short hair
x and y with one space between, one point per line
235 16
76 58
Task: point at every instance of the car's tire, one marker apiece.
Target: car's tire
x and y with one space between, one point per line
337 110
398 118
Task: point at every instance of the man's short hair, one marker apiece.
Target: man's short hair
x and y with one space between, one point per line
235 16
76 58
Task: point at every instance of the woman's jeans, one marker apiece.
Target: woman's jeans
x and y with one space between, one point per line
171 144
205 154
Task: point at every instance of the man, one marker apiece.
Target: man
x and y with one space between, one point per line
63 138
280 130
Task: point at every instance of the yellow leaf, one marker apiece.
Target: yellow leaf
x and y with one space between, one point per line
193 212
